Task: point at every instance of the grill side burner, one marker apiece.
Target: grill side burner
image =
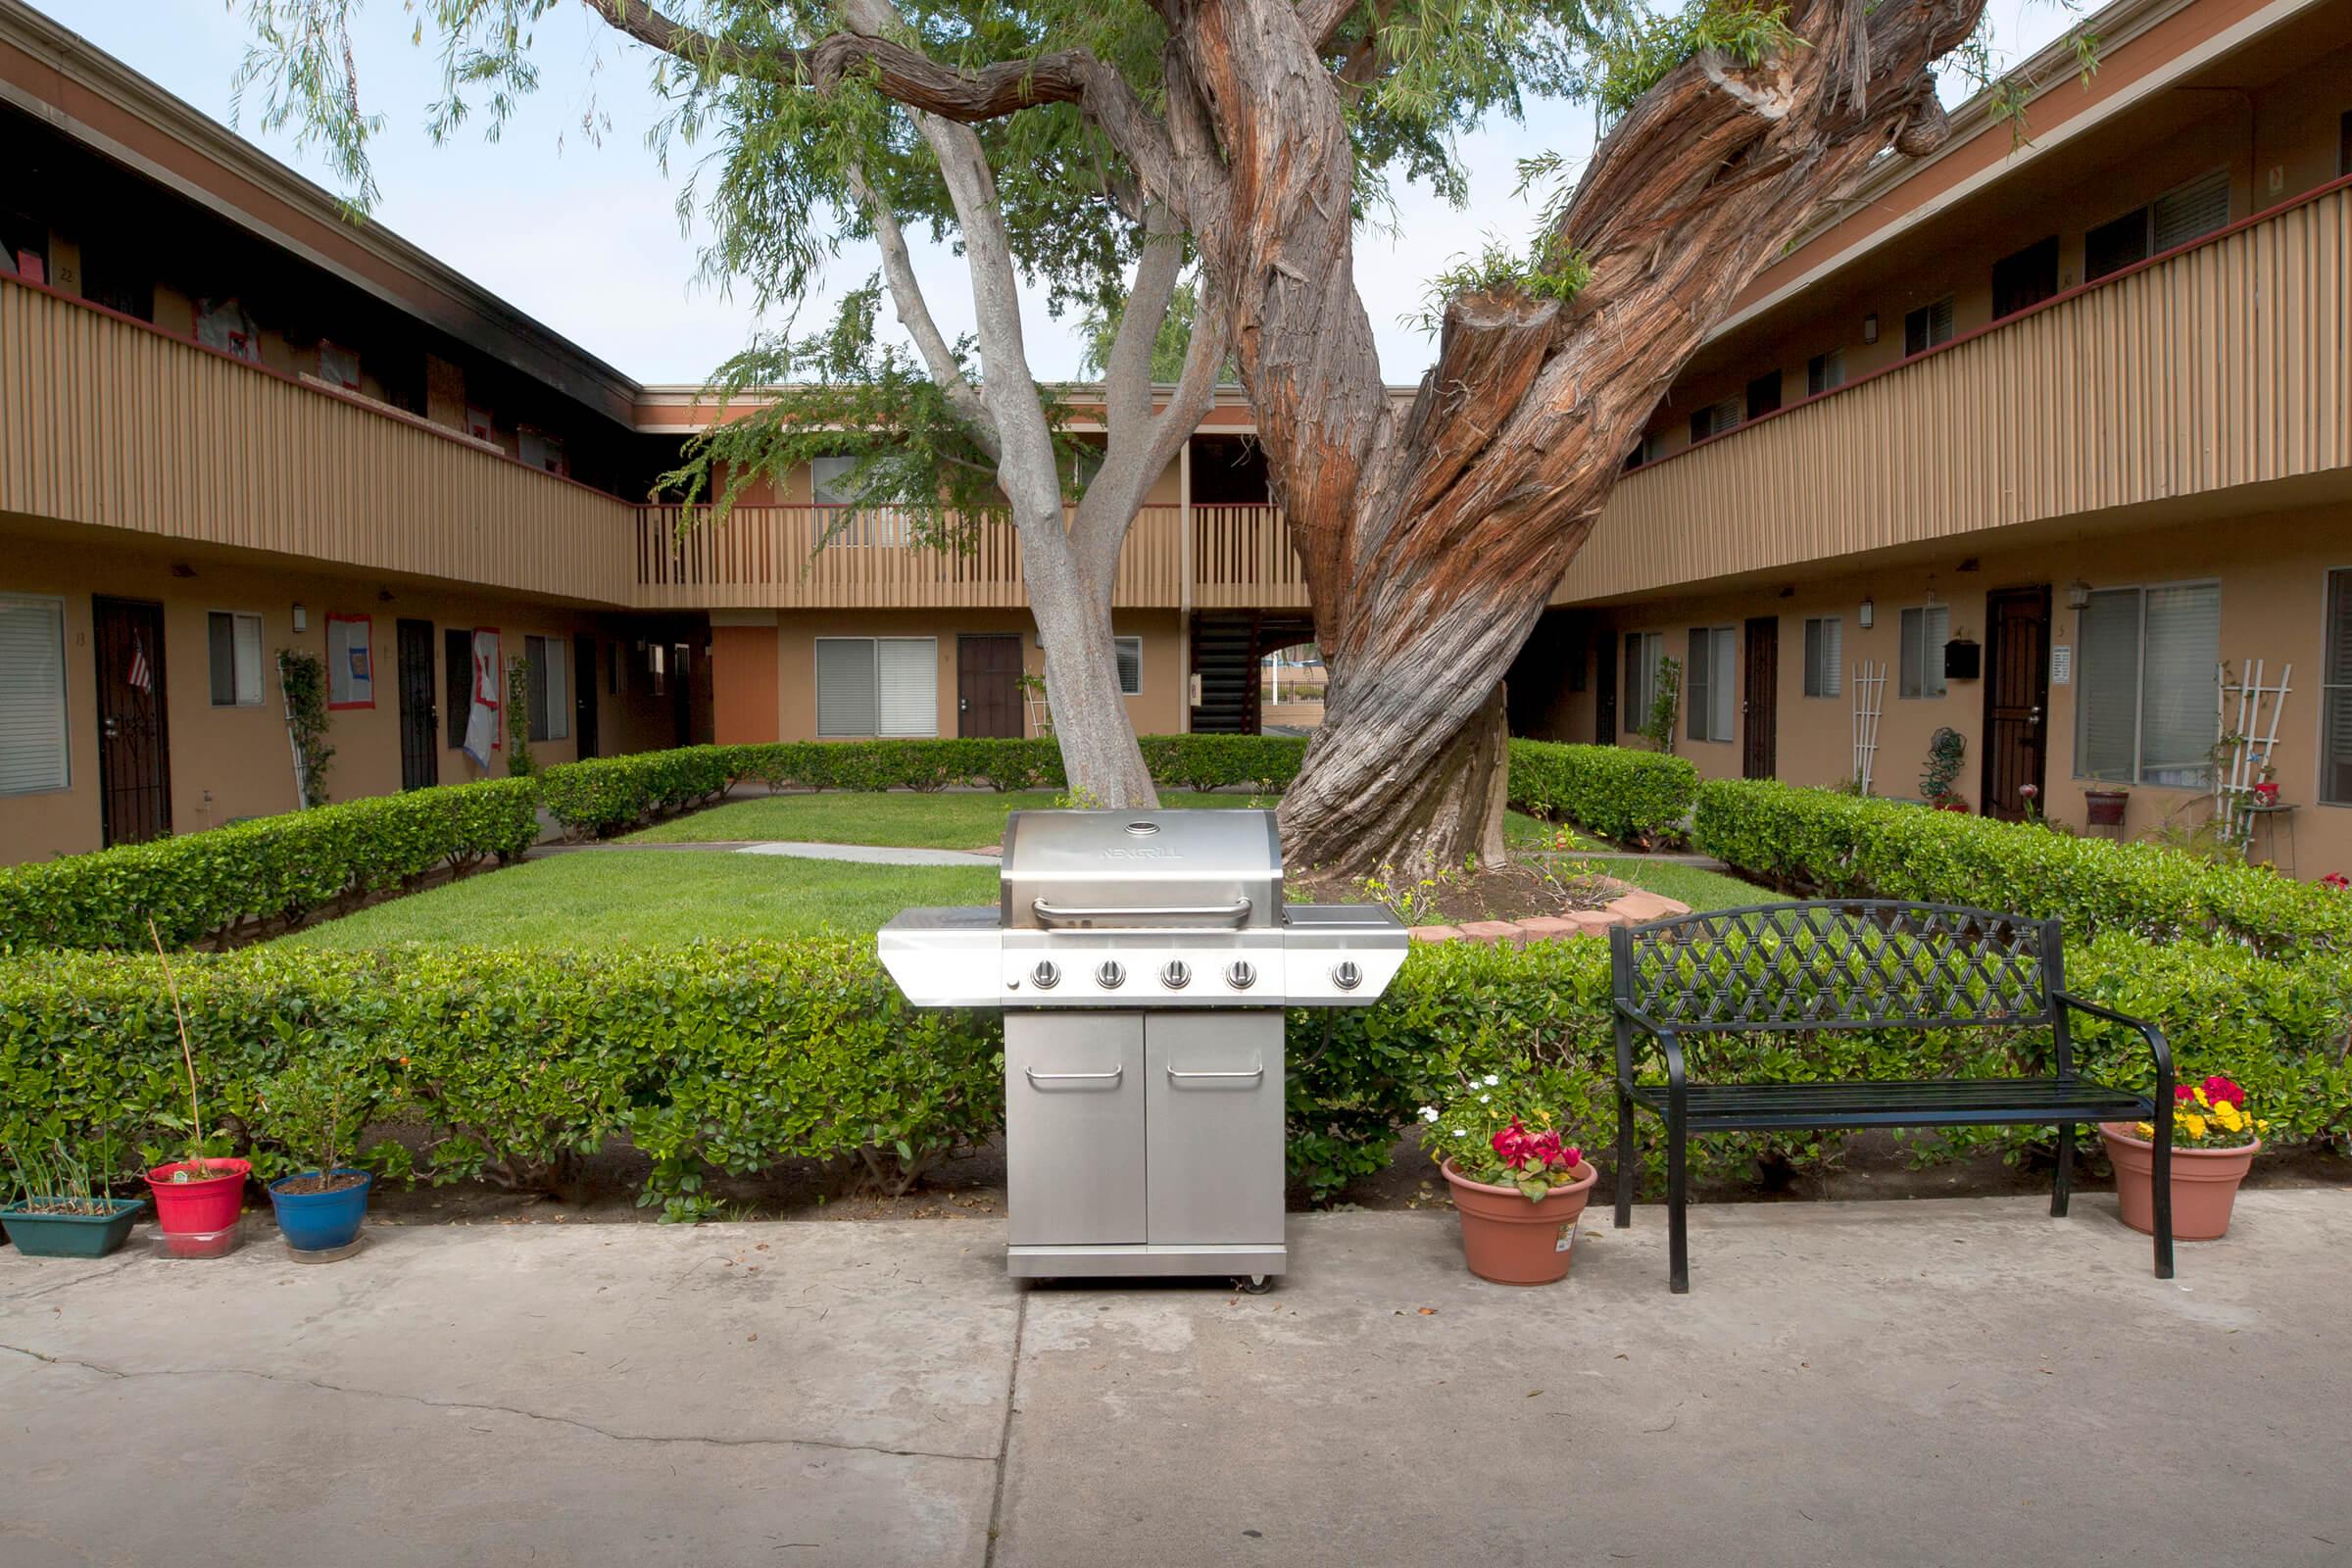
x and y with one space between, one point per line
1144 960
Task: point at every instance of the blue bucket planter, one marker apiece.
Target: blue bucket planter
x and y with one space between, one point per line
321 1222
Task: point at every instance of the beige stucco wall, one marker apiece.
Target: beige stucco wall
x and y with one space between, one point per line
1158 709
227 763
2272 568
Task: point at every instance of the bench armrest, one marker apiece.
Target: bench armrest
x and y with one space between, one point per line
1670 1045
2149 1032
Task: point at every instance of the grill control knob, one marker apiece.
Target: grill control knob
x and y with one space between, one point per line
1241 974
1175 975
1347 974
1045 976
1109 974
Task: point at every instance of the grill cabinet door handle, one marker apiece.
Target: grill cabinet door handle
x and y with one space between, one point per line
1233 914
1112 1077
1258 1071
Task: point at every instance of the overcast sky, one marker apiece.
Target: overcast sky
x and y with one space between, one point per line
581 232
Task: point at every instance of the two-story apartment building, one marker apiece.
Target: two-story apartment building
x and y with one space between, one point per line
2055 437
234 423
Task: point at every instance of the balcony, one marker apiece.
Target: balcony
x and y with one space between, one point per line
768 558
2227 363
114 423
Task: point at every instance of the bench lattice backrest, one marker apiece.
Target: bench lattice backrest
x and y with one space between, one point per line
1838 964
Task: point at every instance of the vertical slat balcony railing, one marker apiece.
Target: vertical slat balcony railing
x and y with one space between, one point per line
2226 363
110 422
1243 560
865 558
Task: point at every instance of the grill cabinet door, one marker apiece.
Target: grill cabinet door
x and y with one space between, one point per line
1215 1124
1074 1127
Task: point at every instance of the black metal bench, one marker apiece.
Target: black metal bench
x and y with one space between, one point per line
1849 964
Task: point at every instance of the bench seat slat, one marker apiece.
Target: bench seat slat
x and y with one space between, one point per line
1919 1102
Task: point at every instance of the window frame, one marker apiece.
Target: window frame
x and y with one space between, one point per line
2328 577
1825 371
2146 213
1903 621
2140 686
1125 690
546 672
1643 671
336 618
56 603
1712 672
260 678
1835 669
874 650
1926 314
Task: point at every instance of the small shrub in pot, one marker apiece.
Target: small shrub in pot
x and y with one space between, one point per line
1518 1184
314 1107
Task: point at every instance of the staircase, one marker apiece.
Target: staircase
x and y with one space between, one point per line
1225 662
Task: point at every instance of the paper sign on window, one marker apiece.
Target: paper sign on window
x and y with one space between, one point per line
226 326
350 662
2062 665
339 365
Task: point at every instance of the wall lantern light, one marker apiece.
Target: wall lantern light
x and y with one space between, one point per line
2077 595
1869 613
1869 328
302 619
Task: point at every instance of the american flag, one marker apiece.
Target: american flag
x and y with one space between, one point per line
143 674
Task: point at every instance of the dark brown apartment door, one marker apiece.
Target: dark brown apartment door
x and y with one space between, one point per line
1605 687
134 737
419 714
2017 696
988 685
1758 749
583 694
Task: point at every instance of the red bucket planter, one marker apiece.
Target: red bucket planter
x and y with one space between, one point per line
1511 1240
198 1209
2204 1183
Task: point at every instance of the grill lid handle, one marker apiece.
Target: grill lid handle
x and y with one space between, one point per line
1053 914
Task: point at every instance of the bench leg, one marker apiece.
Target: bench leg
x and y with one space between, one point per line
1678 1235
2062 1189
1627 1169
2161 1174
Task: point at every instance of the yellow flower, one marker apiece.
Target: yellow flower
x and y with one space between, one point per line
2226 1115
2147 1129
2201 1099
2194 1123
2262 1126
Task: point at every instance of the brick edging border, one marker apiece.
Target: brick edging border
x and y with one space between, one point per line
1628 908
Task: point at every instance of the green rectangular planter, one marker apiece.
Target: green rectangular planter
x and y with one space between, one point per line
73 1235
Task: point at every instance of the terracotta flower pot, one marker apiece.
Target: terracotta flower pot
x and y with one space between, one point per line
1511 1240
2105 807
2204 1182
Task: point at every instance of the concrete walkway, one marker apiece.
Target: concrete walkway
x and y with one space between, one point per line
1947 1382
859 853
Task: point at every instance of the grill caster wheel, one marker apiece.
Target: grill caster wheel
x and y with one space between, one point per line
1254 1283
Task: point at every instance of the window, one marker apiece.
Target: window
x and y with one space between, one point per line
2144 708
877 686
1707 682
546 680
108 279
2174 219
350 666
479 424
33 755
1716 419
338 365
1824 371
616 670
456 684
1131 665
2343 144
1928 326
540 450
1643 651
1825 656
236 642
841 520
2024 277
1764 394
1926 629
2336 686
656 669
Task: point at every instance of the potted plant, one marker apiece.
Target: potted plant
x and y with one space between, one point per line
197 1200
59 1206
313 1109
2103 805
2214 1143
2265 788
1518 1186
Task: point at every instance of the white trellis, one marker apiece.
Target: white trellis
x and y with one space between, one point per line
2243 743
1870 700
1041 710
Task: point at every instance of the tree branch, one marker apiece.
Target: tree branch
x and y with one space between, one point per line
1127 378
914 314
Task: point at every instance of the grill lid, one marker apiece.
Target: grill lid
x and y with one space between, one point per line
1141 870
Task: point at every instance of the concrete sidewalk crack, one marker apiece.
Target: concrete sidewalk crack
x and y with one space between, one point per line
1012 1390
504 1409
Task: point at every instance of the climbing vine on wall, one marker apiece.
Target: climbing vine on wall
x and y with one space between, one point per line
520 761
302 677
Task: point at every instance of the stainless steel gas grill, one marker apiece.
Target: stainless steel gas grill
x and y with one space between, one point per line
1144 960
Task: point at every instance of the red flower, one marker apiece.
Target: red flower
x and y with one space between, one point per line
2184 1092
2336 880
2220 1091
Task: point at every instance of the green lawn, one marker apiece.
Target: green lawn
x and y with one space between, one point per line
599 898
960 820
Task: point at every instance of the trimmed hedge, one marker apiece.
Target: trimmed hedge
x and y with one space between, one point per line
1812 839
516 1064
1615 791
277 870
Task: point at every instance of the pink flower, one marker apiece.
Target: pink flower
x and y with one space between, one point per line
2220 1091
2184 1092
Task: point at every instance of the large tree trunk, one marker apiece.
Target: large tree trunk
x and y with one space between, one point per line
1100 755
1432 538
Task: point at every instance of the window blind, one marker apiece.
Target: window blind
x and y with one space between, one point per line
33 694
2197 207
1928 326
1926 629
908 671
558 689
2182 650
1823 372
236 658
845 686
2107 686
1825 656
1131 665
2335 685
1727 680
1699 686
